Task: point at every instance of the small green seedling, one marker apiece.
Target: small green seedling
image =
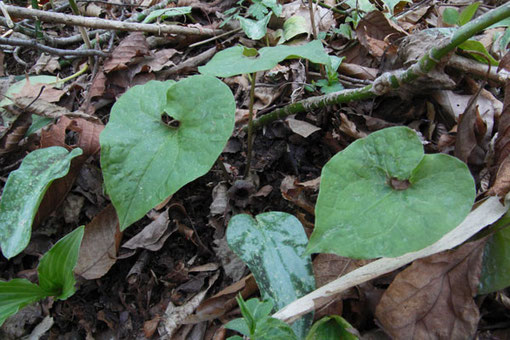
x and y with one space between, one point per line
454 17
56 277
382 197
24 191
256 324
331 84
161 136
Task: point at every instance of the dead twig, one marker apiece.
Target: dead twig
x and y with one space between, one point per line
51 50
60 18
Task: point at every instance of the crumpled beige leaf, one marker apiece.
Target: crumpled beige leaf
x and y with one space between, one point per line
433 298
153 236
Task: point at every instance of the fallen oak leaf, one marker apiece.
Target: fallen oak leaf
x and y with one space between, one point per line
433 298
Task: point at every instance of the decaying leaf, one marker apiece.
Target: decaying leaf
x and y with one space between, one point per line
134 45
101 241
433 298
153 236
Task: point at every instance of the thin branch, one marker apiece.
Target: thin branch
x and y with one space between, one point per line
392 80
51 50
60 18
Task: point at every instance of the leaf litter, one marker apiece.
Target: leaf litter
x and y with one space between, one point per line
168 283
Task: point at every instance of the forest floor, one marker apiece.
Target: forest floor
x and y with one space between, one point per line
134 284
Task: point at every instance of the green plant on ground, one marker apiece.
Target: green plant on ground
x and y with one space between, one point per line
56 277
386 177
187 134
242 60
261 12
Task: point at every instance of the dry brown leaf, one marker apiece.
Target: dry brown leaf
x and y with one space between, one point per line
295 194
101 241
153 236
133 46
358 71
46 63
300 127
221 303
328 267
87 135
49 93
375 32
433 298
160 60
175 316
98 86
16 132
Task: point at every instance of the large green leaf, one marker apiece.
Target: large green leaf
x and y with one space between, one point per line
382 196
332 327
235 60
24 191
56 266
16 294
496 259
145 160
272 245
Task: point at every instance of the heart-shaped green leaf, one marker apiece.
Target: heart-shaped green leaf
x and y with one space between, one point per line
233 61
24 191
56 266
382 196
272 245
161 136
255 29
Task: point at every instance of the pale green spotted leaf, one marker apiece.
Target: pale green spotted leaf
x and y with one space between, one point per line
496 259
56 266
24 191
382 197
16 294
161 136
272 245
234 61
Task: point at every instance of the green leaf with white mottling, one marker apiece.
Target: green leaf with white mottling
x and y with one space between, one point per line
145 160
331 327
382 197
234 61
56 266
272 245
24 191
16 294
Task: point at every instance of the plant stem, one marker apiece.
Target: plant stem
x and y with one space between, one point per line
392 80
250 126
